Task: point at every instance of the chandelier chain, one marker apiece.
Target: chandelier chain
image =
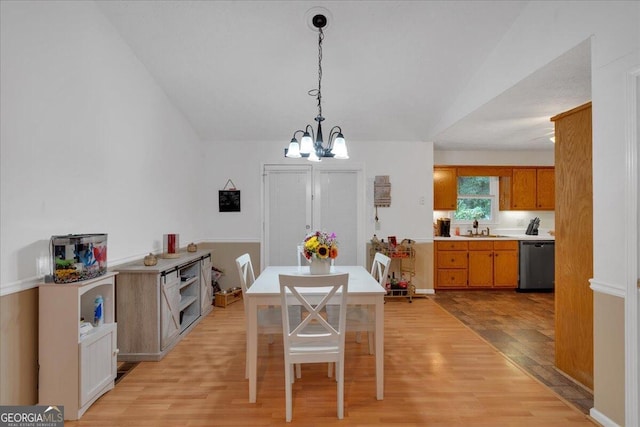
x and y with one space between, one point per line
318 92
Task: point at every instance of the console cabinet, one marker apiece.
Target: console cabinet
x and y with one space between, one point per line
158 305
76 365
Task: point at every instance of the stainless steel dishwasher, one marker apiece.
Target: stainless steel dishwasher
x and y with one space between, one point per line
537 266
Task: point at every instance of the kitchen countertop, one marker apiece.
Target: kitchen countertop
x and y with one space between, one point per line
502 236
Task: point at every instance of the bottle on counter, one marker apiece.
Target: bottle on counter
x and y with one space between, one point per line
98 312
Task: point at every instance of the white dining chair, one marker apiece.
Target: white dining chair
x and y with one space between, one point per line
314 338
361 318
300 257
269 318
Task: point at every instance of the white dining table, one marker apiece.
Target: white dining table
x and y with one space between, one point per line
363 289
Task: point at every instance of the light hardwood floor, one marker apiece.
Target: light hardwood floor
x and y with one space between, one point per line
437 373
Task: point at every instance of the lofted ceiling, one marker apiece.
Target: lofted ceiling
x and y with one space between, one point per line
241 70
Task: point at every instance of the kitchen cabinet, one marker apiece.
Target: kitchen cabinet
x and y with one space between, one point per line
445 189
520 188
451 264
530 189
158 305
505 264
545 188
77 364
493 264
480 264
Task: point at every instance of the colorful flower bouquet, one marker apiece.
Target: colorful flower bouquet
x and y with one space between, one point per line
320 245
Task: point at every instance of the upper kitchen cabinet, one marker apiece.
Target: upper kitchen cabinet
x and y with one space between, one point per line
546 188
530 188
445 189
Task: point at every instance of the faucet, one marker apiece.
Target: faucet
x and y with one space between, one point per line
475 226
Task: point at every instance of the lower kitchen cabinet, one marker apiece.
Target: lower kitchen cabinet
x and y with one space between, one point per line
505 264
481 264
158 305
451 261
476 264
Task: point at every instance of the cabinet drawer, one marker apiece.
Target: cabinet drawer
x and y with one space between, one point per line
452 259
452 278
481 245
452 246
505 245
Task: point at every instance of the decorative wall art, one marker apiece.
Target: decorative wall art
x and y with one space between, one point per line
229 198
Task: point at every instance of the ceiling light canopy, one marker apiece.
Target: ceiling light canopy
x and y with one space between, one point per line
312 144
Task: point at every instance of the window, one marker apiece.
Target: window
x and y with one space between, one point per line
476 198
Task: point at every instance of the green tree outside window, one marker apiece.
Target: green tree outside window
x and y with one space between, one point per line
475 198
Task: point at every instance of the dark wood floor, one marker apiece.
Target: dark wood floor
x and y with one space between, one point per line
521 326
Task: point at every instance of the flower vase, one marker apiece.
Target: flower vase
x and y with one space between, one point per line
320 266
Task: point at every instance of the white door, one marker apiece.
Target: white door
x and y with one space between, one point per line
336 206
287 212
300 199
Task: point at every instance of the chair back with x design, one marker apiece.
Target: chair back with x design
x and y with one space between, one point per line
314 337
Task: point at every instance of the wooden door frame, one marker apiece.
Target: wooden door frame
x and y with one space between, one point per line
632 297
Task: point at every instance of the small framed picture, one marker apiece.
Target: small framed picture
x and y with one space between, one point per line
392 242
229 200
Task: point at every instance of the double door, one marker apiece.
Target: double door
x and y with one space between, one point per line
303 198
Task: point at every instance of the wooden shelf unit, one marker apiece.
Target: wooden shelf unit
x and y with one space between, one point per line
76 368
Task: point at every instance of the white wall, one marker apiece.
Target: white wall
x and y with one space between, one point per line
89 143
409 166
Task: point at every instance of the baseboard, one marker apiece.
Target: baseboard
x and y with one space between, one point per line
601 418
425 292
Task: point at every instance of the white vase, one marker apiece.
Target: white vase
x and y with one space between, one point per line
320 266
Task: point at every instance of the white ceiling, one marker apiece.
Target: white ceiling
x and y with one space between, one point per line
241 70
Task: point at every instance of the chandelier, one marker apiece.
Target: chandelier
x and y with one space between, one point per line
315 151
